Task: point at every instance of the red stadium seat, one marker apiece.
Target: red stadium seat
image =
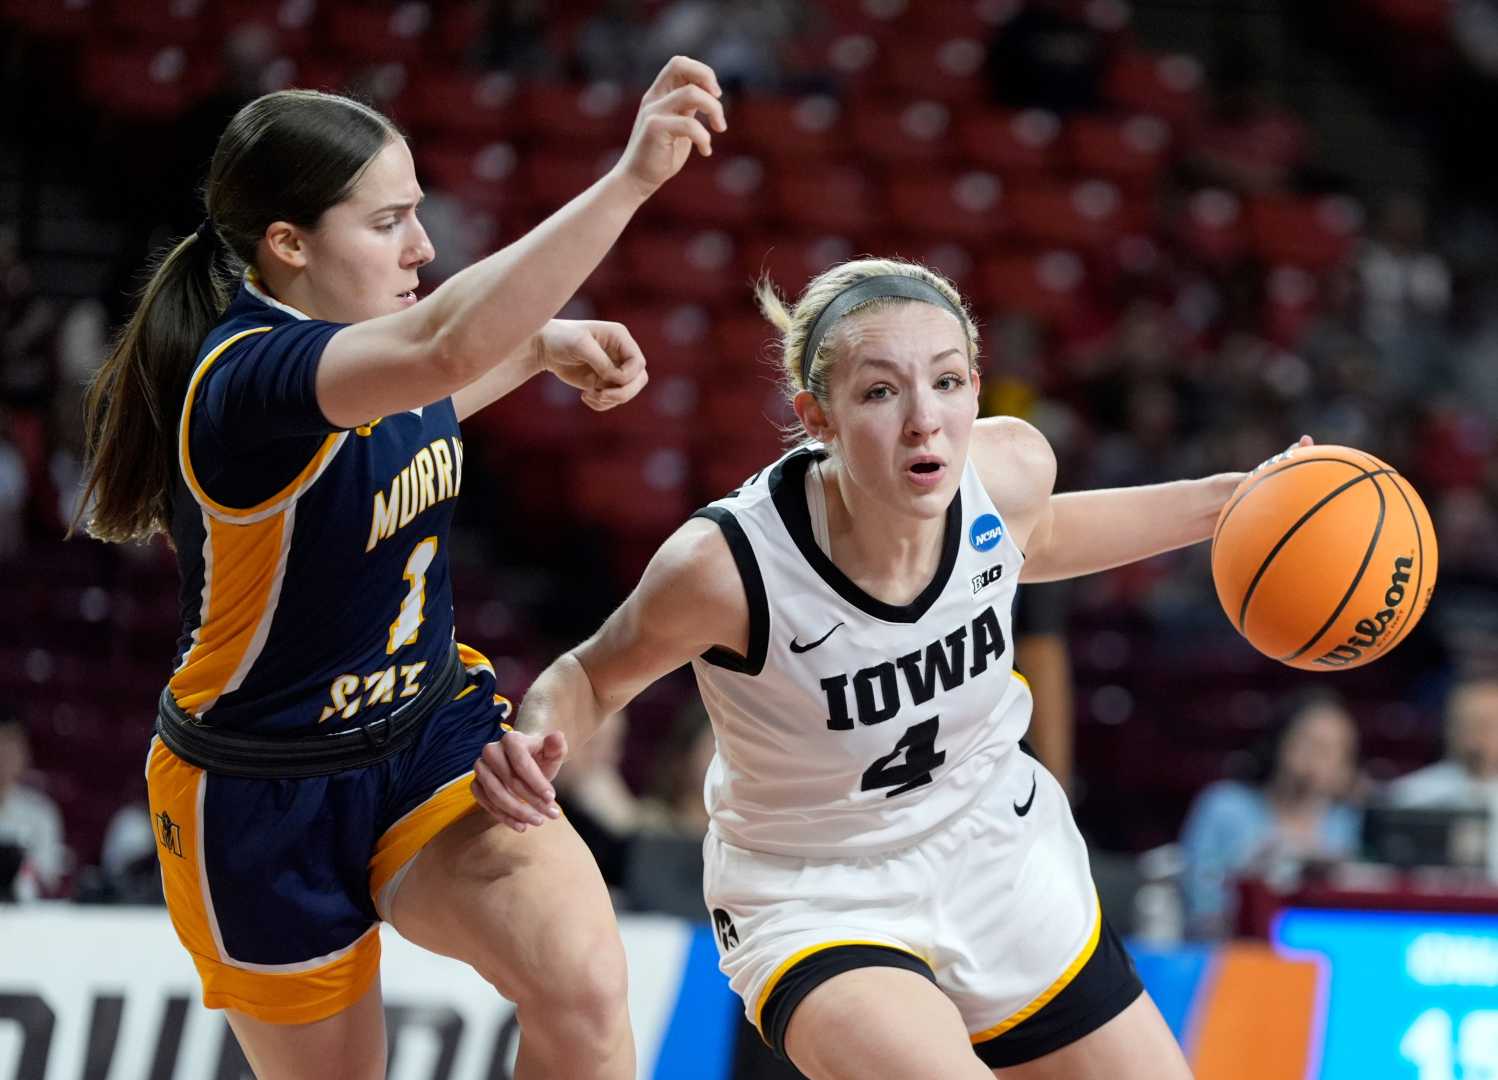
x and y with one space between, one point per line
458 27
1048 286
152 84
785 127
1212 227
1088 215
632 495
1290 295
745 342
293 23
158 23
1129 150
965 206
901 133
318 71
1316 233
483 179
378 34
579 115
476 106
554 178
676 338
51 19
698 266
948 68
727 193
837 199
1010 142
792 260
1167 85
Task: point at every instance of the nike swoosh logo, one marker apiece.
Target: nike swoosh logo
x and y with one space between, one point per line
797 647
1025 809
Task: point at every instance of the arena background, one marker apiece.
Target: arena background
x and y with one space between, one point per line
1191 231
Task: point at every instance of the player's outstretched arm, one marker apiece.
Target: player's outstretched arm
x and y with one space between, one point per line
483 316
689 600
1082 532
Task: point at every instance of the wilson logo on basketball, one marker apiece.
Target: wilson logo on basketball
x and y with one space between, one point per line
1371 629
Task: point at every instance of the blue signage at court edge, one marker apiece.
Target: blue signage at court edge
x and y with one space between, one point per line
1408 996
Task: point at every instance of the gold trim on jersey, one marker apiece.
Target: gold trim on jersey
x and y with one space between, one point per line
1061 983
252 514
243 569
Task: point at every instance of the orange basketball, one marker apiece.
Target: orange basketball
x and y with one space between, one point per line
1324 558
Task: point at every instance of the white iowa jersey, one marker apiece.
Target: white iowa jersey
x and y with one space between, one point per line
854 725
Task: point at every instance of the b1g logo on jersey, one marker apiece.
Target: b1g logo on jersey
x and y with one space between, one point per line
986 532
987 578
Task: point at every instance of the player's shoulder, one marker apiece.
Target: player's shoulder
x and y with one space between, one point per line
1014 461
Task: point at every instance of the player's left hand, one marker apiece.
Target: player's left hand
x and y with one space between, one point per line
599 358
512 778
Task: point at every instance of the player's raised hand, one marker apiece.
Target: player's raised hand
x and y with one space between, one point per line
675 115
599 358
512 778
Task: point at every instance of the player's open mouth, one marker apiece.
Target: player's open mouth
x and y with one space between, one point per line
926 472
407 297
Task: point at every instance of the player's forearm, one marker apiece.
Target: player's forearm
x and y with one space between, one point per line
562 699
1098 530
485 314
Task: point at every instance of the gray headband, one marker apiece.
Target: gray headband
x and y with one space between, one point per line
901 286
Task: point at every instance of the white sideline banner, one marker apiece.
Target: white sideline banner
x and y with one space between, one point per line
108 993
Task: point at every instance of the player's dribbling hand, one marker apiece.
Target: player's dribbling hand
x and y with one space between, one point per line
512 778
668 125
599 358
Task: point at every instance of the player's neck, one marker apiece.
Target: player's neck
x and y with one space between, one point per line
891 556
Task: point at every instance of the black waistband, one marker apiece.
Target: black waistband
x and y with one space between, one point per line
292 757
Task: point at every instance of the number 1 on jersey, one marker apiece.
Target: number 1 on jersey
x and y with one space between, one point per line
921 756
408 623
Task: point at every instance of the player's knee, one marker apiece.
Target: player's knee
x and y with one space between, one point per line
583 987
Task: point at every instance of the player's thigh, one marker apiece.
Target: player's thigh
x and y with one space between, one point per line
349 1045
528 910
1135 1045
880 1023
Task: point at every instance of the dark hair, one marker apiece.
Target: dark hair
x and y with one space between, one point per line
1257 763
287 156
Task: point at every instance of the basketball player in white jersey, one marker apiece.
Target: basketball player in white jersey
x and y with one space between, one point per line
899 890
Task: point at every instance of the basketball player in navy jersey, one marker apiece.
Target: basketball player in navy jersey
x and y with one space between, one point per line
898 890
298 439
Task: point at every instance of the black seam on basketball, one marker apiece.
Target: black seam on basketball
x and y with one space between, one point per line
1285 539
1378 528
1411 618
1233 505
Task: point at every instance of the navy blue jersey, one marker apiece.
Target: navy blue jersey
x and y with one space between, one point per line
315 583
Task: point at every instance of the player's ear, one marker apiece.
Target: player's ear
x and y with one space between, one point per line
813 416
284 243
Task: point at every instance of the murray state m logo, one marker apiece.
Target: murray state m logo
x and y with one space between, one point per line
169 833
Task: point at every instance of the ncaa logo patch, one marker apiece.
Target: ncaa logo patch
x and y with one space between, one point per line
986 532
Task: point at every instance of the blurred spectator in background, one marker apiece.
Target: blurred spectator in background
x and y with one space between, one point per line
33 858
1248 141
739 39
675 803
128 872
665 864
1467 777
598 802
1047 57
1042 657
1298 812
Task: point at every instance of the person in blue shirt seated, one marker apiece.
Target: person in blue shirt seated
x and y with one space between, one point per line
1300 811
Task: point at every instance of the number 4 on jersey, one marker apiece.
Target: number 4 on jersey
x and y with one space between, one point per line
918 744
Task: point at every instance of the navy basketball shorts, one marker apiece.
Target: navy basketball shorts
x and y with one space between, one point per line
277 887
